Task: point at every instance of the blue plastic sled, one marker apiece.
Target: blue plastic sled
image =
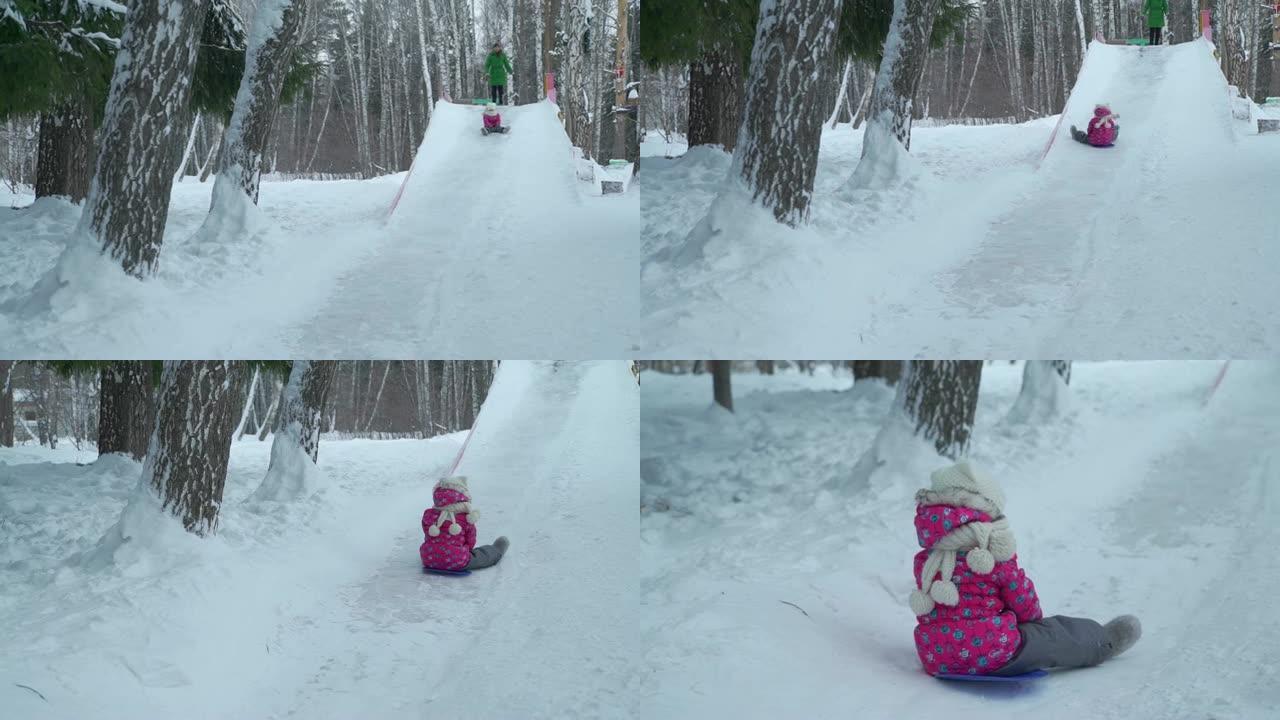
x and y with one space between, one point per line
455 573
1033 675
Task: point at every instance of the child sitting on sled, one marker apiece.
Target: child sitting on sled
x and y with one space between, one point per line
977 612
450 530
1103 128
492 120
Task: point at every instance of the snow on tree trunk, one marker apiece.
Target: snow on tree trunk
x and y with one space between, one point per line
126 409
128 200
6 403
186 153
271 45
841 94
293 473
715 100
777 152
888 134
248 406
187 461
721 371
930 422
64 155
1044 391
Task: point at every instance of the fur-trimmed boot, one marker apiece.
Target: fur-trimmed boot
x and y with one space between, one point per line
1122 633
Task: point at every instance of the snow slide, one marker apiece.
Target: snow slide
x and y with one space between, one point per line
319 608
500 219
772 588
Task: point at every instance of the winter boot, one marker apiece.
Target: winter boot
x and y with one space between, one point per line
502 543
1122 633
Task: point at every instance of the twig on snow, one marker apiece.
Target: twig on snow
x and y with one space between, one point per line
784 602
37 692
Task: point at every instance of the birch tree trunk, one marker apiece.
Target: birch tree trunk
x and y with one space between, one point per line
777 153
187 462
275 34
888 132
1044 391
248 406
294 450
128 201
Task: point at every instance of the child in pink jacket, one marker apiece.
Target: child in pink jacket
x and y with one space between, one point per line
977 612
1104 128
450 531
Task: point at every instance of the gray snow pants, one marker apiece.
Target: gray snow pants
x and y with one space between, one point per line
484 556
1057 641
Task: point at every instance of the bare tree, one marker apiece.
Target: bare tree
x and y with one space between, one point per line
6 403
721 371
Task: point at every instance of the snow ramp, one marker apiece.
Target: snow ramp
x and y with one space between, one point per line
1171 99
460 176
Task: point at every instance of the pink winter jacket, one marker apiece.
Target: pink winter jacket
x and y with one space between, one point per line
1102 128
980 635
447 551
492 121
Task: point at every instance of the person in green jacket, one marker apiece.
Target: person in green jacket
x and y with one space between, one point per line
1155 10
496 66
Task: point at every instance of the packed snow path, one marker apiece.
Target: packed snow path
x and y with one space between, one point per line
494 250
320 608
1166 244
771 588
499 220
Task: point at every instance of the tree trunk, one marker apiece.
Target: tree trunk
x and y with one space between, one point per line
888 370
296 446
765 367
1043 395
715 100
941 398
128 201
6 403
65 152
248 406
550 21
720 383
126 410
777 154
192 440
266 64
889 118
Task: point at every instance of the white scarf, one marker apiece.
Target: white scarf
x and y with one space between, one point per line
986 544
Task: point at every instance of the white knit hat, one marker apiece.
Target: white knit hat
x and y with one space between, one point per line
985 543
448 512
966 486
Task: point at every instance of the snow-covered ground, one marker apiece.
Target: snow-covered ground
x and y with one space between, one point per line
494 250
772 588
1166 245
319 608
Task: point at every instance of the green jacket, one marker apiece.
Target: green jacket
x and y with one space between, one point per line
497 65
1155 12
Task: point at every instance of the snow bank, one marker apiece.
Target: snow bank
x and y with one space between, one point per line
772 587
